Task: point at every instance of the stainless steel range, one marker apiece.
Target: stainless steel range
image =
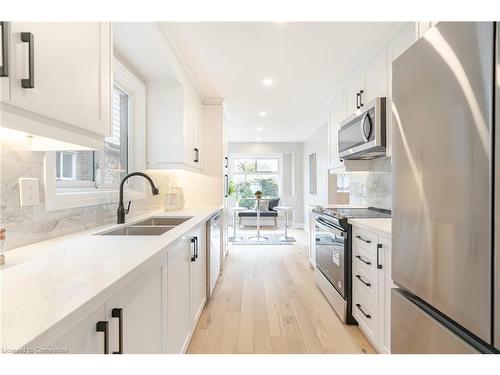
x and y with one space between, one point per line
333 255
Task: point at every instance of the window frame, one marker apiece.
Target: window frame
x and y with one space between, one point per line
279 172
73 194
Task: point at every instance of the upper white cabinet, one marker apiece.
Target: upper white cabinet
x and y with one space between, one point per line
375 78
62 72
372 79
175 126
353 93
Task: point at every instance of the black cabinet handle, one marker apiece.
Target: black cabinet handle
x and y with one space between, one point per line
4 69
358 95
363 281
193 245
365 314
226 162
362 239
196 247
226 185
360 98
103 326
118 313
29 83
196 155
379 246
364 261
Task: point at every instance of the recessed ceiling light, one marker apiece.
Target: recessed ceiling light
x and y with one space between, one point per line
262 114
267 81
259 129
258 139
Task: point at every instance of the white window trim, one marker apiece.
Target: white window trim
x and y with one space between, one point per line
259 156
59 199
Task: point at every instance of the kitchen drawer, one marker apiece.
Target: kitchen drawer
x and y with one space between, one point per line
366 282
365 239
366 314
365 260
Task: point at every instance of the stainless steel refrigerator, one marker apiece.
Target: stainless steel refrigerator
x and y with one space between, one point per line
445 231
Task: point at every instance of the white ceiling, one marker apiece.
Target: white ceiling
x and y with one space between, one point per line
305 60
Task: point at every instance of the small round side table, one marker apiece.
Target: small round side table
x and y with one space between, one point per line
285 211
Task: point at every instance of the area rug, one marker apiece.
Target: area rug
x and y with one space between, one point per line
272 239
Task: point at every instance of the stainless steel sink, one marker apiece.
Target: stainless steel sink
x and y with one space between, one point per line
137 230
168 221
154 226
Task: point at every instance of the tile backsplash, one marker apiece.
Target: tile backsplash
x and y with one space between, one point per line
372 188
26 225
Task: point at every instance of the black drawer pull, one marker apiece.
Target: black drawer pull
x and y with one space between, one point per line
118 313
4 69
29 83
379 246
364 261
360 98
194 247
197 155
362 239
363 281
368 316
103 326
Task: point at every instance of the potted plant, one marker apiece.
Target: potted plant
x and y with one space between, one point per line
258 194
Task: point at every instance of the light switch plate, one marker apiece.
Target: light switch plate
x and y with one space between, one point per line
29 192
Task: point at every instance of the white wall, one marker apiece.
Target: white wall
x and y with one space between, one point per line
294 148
318 143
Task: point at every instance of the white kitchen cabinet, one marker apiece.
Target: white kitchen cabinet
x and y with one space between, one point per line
186 288
352 94
372 284
385 286
175 127
198 273
139 307
375 78
70 79
82 338
178 316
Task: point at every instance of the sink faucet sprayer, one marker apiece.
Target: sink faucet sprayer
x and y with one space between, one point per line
121 212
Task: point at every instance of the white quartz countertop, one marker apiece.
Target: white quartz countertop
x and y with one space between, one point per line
44 283
381 225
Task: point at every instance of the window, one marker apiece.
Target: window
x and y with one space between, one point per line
87 178
76 169
253 174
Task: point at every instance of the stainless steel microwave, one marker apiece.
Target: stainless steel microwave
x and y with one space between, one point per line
363 135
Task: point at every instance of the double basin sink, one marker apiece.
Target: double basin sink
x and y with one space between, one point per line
154 226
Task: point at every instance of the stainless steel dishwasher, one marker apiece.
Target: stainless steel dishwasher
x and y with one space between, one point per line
214 251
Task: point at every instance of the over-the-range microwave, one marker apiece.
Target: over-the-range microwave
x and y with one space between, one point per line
363 135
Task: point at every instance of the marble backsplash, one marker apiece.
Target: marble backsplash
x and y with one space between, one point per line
26 225
372 188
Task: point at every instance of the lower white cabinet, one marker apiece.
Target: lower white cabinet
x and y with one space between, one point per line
135 315
372 284
186 288
155 312
82 338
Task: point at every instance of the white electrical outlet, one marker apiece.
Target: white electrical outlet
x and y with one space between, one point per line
29 192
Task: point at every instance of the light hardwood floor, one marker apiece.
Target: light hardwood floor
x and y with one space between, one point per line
266 301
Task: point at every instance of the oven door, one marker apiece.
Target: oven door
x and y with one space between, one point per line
330 253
